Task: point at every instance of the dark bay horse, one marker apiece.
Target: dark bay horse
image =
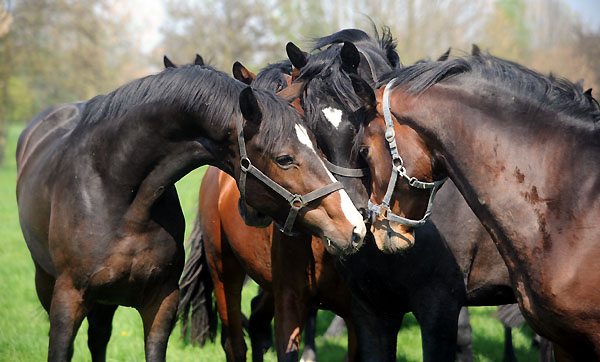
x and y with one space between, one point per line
518 146
295 269
99 210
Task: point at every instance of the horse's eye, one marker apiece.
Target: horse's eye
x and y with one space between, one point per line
285 160
364 151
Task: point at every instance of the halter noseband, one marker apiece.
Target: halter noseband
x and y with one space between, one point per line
296 201
398 169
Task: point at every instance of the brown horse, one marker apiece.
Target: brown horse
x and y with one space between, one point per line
518 146
99 210
299 275
296 272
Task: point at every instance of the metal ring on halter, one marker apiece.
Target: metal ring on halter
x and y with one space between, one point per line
247 165
297 199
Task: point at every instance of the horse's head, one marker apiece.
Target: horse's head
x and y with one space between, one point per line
273 77
278 143
399 203
332 109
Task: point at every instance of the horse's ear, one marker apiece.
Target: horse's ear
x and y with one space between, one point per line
168 63
444 56
475 51
250 111
198 60
350 57
588 93
296 55
242 73
364 91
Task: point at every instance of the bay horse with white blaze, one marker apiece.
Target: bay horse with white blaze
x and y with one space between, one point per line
529 180
99 210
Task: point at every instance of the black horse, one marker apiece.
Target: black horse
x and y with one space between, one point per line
98 206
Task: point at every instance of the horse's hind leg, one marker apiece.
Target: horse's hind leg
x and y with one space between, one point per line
228 279
464 340
100 326
67 311
159 319
44 286
261 336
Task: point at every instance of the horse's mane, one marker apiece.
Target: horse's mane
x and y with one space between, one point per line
555 94
211 94
271 77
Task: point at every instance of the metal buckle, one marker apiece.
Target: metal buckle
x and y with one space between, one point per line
389 135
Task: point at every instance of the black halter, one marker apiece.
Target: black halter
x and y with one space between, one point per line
296 201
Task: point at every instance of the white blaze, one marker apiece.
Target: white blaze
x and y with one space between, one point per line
334 116
348 207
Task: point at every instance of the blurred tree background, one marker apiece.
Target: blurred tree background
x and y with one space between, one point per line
55 51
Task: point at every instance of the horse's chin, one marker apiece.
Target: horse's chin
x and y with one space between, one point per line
392 240
252 217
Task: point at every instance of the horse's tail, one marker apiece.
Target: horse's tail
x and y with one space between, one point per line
195 293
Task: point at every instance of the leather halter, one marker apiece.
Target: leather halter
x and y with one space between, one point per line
398 169
296 201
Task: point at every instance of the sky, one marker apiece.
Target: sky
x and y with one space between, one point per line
149 15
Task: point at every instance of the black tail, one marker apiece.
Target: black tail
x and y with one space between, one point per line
195 293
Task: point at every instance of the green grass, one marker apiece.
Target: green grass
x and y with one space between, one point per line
24 323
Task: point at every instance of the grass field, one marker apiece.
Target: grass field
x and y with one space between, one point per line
24 323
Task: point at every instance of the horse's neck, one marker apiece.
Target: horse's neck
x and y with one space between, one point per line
153 149
516 174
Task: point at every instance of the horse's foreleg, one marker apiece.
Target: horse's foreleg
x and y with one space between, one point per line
352 341
438 317
309 353
259 330
159 319
67 311
376 334
290 314
100 327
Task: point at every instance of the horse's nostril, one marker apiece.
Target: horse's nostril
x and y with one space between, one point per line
356 239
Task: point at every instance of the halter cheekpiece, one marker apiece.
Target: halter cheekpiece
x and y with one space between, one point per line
296 201
398 169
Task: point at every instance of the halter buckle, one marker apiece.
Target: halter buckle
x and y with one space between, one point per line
245 164
384 211
390 135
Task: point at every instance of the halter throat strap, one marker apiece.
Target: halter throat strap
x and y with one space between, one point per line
296 201
371 65
398 170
